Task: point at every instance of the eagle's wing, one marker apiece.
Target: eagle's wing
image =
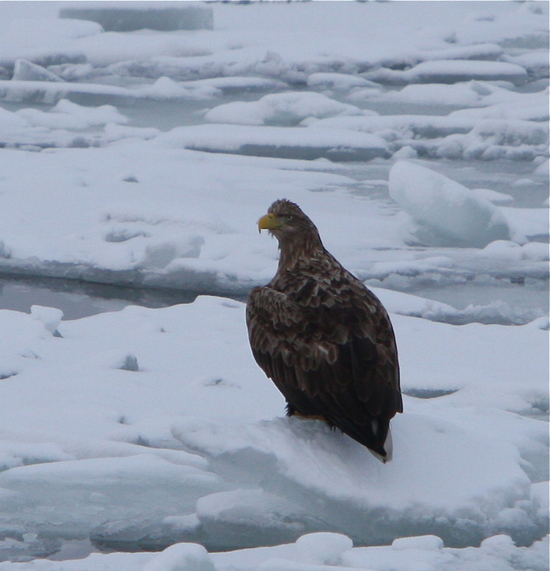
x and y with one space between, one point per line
330 350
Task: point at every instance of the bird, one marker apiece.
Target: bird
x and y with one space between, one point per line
323 338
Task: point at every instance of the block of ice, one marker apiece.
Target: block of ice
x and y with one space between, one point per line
247 517
399 127
27 71
338 81
68 115
126 16
181 557
49 316
282 142
446 212
323 548
280 109
452 71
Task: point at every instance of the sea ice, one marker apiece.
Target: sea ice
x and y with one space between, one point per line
49 316
493 196
124 17
203 431
283 142
404 128
453 94
181 557
27 71
446 211
338 81
280 109
499 138
452 71
68 115
121 431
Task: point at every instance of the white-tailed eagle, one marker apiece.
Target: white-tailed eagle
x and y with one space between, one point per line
324 339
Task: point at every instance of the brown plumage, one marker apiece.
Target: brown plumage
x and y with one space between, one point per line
324 339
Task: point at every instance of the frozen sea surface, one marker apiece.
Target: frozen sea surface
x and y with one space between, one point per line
133 169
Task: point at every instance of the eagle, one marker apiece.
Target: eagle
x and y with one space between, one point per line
323 338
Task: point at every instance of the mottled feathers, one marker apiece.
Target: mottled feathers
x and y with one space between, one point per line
324 339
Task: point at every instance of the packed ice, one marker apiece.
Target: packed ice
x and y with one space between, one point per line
415 136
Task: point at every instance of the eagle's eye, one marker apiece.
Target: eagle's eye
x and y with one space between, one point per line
289 217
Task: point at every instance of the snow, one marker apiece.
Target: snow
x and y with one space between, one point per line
451 71
283 142
68 115
415 137
210 434
280 108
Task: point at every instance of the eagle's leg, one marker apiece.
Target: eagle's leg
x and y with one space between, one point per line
293 411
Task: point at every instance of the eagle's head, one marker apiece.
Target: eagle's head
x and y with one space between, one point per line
296 233
286 219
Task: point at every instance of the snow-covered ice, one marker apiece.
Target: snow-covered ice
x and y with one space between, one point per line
124 17
184 448
280 109
415 136
446 212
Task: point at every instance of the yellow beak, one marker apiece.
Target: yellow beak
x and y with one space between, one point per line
268 222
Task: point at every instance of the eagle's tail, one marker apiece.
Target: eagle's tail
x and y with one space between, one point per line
387 447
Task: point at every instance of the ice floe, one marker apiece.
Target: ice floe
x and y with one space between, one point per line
103 451
282 142
445 211
122 17
280 109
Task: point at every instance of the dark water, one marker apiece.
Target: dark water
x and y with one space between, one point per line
80 299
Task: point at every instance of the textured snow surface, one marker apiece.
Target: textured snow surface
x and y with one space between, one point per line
121 427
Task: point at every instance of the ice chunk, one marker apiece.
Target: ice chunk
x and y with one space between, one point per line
247 517
534 61
399 127
282 142
126 17
304 459
97 93
493 196
452 71
160 253
460 95
338 81
323 548
504 133
497 138
69 115
493 312
49 316
512 252
166 88
27 71
424 542
88 493
446 211
11 122
500 103
280 109
181 557
51 92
